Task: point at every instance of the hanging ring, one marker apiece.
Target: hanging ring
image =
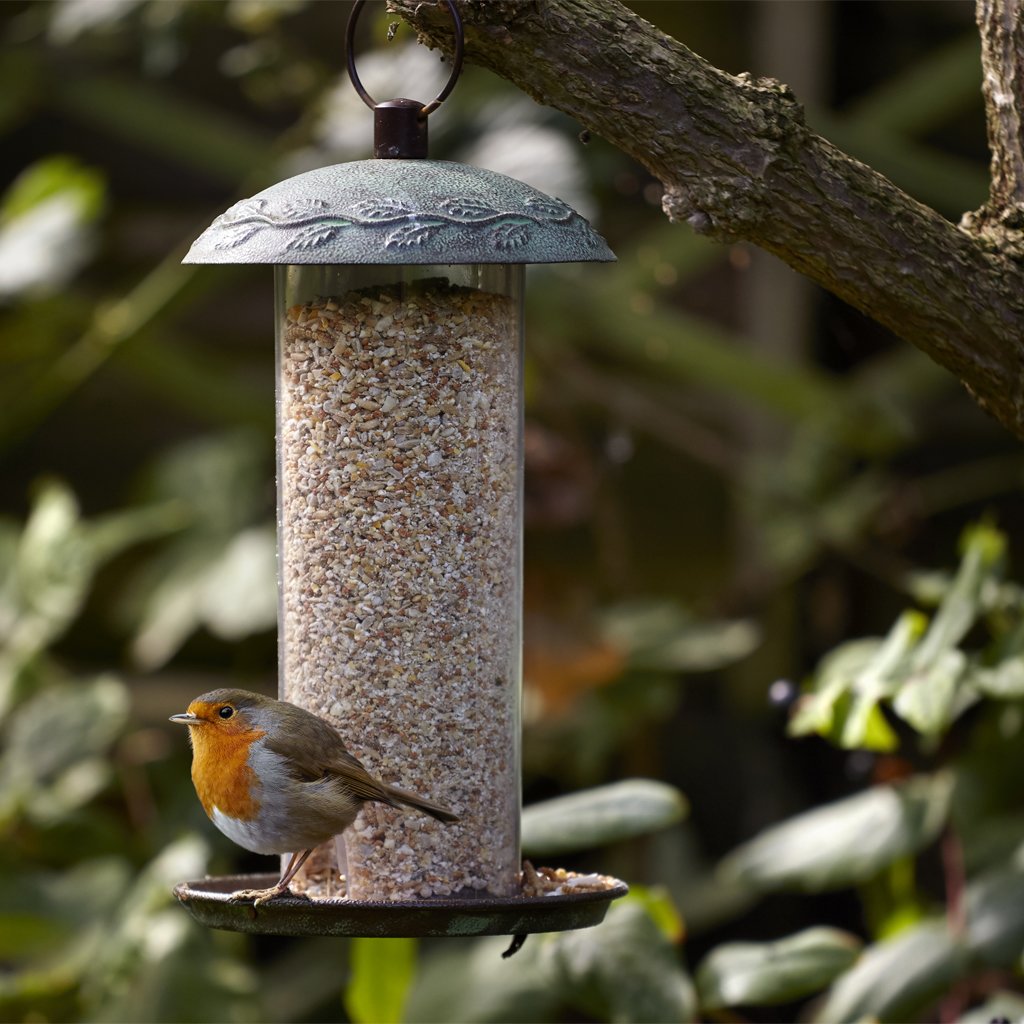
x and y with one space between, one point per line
350 56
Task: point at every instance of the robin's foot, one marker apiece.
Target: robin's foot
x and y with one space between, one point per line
258 896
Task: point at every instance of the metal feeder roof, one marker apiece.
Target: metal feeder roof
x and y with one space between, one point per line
400 212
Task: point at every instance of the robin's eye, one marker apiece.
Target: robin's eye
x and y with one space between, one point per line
227 711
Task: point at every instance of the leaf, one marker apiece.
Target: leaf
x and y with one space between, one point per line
984 553
850 683
237 234
55 176
471 982
230 589
299 981
75 18
895 979
412 234
297 209
46 226
378 210
170 612
507 237
46 584
757 973
73 909
818 711
927 700
995 926
703 647
467 210
624 969
382 973
1004 681
999 1006
153 958
56 904
315 236
662 635
239 592
661 909
547 208
595 817
845 842
52 566
53 759
863 726
220 572
989 837
928 678
222 478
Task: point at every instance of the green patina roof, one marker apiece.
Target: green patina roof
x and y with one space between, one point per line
400 211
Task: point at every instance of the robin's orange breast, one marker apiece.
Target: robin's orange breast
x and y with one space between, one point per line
221 772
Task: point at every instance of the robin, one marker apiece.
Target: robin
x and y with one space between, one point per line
275 778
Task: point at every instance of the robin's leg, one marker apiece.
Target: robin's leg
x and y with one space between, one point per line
259 896
293 868
341 850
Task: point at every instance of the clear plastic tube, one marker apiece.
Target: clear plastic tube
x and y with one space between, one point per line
400 552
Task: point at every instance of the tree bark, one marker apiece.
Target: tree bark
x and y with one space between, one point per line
1001 219
738 162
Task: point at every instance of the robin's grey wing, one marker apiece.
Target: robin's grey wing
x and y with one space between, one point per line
322 753
356 778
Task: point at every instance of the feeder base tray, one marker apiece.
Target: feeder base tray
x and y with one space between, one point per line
208 901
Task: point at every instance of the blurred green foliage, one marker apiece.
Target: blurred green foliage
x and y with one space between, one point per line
742 504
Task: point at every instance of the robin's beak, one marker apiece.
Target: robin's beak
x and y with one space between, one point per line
185 718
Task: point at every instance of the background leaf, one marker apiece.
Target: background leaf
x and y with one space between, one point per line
995 932
844 842
895 979
594 817
54 749
46 221
471 982
382 972
753 973
625 968
998 1006
661 635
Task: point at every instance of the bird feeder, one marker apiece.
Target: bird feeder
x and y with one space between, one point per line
399 309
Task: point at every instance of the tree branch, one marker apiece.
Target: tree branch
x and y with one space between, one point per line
1002 60
738 161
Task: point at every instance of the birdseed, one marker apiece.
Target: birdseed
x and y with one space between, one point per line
399 434
533 883
559 882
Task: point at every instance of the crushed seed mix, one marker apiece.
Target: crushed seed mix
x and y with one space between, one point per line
400 545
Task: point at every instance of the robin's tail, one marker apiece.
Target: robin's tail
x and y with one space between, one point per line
400 796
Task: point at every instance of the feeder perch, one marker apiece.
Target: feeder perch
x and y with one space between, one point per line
399 299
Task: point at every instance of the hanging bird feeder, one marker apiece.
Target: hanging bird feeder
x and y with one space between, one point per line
399 307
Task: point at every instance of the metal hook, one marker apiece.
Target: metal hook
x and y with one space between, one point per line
350 57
